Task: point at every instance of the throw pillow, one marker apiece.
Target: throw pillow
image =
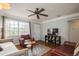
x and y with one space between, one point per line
76 51
77 44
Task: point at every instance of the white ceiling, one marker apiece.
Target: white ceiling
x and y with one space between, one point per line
52 9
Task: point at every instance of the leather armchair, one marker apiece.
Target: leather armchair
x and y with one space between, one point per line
23 38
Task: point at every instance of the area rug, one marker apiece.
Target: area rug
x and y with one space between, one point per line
38 50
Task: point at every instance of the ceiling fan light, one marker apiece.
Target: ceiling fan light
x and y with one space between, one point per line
5 6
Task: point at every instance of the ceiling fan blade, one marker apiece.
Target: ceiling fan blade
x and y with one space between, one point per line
44 15
31 15
41 10
38 17
30 11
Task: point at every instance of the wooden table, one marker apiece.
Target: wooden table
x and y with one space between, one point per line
53 39
29 44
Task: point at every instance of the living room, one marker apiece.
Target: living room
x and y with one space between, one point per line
39 29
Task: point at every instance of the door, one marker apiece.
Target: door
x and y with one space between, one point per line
74 31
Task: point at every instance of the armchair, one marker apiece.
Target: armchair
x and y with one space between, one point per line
23 38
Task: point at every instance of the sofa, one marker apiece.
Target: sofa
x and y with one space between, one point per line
9 49
67 49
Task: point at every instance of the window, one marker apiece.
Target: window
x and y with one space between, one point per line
23 28
16 28
11 28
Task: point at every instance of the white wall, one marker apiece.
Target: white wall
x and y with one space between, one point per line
61 24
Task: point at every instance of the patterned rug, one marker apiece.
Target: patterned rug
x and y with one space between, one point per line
38 50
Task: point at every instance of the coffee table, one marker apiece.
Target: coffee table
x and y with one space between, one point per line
29 44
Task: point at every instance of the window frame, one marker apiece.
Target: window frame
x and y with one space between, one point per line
18 29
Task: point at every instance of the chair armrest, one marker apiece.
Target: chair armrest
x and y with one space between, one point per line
18 53
71 44
6 40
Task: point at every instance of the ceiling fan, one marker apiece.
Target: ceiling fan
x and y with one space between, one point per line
37 12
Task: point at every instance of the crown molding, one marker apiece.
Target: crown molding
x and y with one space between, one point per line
72 16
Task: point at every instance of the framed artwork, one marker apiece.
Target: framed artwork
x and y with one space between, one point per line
55 31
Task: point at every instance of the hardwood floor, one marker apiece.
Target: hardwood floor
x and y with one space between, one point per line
42 43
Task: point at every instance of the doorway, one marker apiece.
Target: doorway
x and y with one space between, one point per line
74 30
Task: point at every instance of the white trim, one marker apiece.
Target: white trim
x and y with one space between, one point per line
62 17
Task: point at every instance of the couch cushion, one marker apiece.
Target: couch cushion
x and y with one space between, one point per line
64 50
